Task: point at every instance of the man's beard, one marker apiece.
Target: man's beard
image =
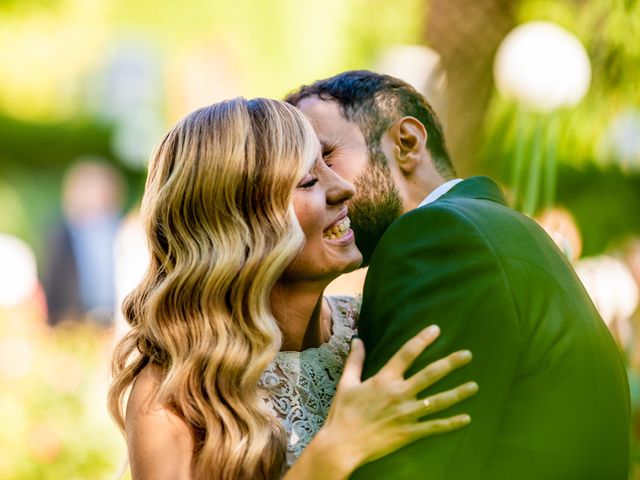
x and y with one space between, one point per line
375 206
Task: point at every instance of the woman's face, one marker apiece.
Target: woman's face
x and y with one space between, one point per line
319 201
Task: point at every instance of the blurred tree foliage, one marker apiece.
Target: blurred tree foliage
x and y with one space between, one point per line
466 34
50 146
600 189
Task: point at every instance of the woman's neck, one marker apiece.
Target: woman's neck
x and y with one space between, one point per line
304 318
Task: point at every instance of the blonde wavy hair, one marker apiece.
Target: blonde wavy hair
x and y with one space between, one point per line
221 229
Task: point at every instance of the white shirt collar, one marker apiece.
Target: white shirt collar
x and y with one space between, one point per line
439 191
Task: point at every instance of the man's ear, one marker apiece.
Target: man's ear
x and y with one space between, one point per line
409 139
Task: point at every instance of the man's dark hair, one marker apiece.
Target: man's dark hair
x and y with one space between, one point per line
375 102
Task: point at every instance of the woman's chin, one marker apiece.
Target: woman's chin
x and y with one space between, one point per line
353 265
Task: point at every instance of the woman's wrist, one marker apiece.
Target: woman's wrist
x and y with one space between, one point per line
337 456
324 459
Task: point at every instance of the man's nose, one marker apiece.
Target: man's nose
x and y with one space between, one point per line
339 190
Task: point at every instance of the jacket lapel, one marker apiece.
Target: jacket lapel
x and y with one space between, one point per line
476 187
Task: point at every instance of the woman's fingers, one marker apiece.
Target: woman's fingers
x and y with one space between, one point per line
442 401
437 370
403 358
433 427
352 373
381 415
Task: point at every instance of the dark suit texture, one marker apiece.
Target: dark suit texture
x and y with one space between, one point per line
553 400
61 283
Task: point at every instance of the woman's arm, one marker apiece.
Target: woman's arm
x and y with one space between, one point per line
367 419
370 419
159 442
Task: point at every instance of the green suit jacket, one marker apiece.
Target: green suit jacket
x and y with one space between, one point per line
553 400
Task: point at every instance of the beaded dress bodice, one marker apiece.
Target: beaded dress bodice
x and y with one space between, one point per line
298 387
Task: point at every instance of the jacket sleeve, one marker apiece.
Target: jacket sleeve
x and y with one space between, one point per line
435 266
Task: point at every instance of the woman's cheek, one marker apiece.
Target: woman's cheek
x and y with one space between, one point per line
309 214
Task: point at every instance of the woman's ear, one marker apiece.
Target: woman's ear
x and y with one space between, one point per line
409 139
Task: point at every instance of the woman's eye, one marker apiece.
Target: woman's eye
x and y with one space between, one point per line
309 184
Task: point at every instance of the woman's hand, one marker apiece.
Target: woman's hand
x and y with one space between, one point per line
370 419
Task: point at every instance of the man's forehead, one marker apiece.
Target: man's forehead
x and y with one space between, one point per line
322 112
327 119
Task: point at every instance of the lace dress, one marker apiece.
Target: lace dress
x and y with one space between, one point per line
299 386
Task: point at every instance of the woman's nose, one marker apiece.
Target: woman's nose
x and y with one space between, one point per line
339 190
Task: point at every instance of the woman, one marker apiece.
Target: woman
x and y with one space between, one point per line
246 226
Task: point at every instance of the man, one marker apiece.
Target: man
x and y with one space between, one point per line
553 400
79 276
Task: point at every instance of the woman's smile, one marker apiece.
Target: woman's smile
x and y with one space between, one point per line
320 206
339 232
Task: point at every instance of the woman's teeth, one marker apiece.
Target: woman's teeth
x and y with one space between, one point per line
339 230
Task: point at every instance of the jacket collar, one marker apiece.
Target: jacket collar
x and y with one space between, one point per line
477 187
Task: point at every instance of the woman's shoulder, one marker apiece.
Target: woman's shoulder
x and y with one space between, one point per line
160 443
345 303
346 306
345 310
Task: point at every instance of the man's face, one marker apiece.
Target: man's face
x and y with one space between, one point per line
377 202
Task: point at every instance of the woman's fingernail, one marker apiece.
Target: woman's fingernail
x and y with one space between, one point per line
465 419
355 335
465 355
471 387
432 330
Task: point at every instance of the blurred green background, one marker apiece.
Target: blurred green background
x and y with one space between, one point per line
104 79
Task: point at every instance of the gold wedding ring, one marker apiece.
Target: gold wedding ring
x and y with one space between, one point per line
427 404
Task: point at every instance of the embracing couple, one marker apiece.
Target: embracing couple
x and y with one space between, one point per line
240 368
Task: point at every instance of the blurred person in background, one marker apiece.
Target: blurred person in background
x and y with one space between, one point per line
78 272
614 292
554 401
563 230
234 354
